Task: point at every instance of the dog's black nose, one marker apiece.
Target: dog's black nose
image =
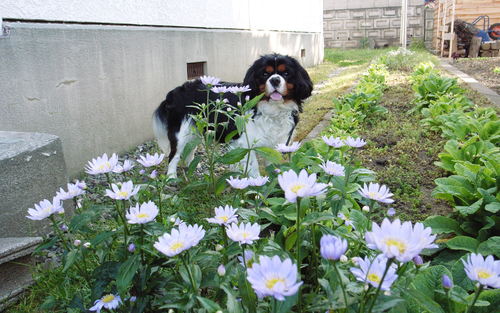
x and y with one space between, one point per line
275 81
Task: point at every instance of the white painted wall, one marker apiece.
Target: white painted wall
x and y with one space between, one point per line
281 15
96 86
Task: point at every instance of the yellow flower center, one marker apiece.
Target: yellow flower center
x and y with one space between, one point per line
373 194
48 209
177 245
270 283
142 215
245 234
484 274
123 193
224 218
297 186
398 244
108 298
374 278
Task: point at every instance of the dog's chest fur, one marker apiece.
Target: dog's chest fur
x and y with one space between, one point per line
270 125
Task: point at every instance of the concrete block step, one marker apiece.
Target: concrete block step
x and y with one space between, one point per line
33 169
16 264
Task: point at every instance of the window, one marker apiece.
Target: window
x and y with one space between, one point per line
195 70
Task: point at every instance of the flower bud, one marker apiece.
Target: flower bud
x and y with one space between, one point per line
418 260
172 219
355 260
247 98
133 298
391 212
221 271
366 208
219 247
64 228
142 171
131 248
86 245
153 174
447 284
343 259
277 171
77 243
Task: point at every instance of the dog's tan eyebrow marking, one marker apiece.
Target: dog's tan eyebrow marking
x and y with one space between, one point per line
281 68
269 69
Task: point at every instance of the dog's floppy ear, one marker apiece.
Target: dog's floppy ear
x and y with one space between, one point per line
303 84
251 81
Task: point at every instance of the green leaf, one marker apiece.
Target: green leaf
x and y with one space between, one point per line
208 304
463 243
126 272
233 156
424 302
247 294
232 304
494 245
71 257
471 209
493 207
460 277
442 224
316 217
269 154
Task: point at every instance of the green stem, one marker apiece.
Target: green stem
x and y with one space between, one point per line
349 168
274 304
142 242
388 265
298 248
65 244
193 286
160 212
476 296
313 226
342 286
447 292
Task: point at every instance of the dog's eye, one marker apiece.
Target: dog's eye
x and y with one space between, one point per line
265 75
286 74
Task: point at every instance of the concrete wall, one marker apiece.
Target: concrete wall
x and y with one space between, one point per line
345 23
96 86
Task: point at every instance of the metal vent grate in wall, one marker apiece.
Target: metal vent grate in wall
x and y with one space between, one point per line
195 70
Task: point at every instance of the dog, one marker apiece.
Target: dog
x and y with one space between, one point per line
285 85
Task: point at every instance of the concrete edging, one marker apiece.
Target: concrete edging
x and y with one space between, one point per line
485 91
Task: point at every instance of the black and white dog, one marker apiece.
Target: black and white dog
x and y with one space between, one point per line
285 84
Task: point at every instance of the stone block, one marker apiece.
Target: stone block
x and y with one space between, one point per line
374 13
352 44
373 34
417 32
328 15
342 35
390 12
33 169
366 24
335 25
15 267
357 34
351 24
389 33
358 14
414 21
343 14
429 24
410 11
381 23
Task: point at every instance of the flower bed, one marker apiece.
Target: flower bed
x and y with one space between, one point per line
299 239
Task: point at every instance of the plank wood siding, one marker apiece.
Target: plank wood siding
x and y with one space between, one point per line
469 10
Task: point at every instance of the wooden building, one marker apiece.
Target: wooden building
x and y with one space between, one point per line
469 10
